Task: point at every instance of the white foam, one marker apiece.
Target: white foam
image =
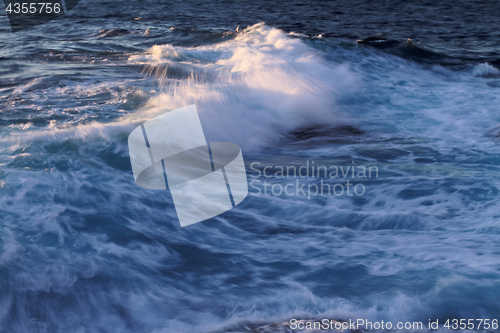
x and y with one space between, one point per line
255 88
485 70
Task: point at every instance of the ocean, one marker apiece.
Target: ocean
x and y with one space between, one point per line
314 93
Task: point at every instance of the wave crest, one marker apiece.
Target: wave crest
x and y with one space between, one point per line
251 89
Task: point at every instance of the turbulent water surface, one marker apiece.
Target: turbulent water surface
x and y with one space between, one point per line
83 249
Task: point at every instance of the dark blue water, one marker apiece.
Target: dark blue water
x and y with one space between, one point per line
83 249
